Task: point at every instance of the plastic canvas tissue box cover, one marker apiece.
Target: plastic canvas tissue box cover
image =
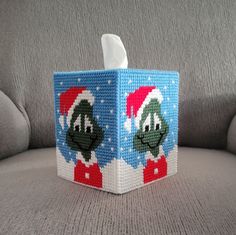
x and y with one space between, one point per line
116 130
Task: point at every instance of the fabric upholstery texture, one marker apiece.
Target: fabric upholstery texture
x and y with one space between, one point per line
199 199
231 144
14 129
196 38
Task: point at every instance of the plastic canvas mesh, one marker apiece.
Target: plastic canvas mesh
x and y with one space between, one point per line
116 130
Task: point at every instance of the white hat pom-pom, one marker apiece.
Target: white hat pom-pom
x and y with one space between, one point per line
127 125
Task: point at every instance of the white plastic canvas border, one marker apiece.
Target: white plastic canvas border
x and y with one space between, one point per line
111 178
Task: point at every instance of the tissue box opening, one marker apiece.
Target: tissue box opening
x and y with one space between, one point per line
116 130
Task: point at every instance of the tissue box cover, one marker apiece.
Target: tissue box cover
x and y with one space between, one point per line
116 130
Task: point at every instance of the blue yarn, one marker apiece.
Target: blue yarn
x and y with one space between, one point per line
112 87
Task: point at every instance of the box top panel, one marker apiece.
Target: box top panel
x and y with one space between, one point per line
116 71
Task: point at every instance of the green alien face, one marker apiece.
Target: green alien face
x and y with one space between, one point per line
153 129
84 134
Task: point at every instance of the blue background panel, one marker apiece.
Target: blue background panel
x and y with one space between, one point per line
103 87
168 84
110 89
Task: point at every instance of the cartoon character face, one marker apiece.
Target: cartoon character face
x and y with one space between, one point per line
84 134
153 129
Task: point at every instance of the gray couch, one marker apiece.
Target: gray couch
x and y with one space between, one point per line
196 38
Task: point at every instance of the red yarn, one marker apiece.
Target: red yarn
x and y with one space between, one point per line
149 171
93 172
67 98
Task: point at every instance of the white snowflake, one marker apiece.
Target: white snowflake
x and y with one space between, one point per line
171 120
166 139
173 140
97 88
168 98
102 145
123 113
57 140
97 116
165 87
102 101
59 94
61 83
107 126
79 79
138 157
109 139
173 81
121 149
111 111
165 112
130 81
58 110
172 133
60 132
112 149
126 94
174 106
69 153
130 150
126 138
63 143
149 78
109 81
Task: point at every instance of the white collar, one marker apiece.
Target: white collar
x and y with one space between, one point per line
91 161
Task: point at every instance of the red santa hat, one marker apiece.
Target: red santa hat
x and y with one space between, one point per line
71 98
136 102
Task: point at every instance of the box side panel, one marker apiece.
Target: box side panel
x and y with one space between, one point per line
173 110
148 127
55 105
110 169
86 128
130 175
118 118
62 166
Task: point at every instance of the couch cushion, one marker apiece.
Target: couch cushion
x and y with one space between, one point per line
195 37
14 129
231 141
200 199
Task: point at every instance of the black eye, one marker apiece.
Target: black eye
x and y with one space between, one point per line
157 126
146 128
88 129
77 128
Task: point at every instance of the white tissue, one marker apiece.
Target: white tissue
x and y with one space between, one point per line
114 53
